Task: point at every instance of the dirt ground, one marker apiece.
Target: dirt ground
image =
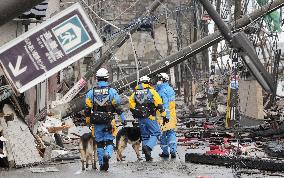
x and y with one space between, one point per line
159 168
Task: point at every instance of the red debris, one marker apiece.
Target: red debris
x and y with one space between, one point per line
184 139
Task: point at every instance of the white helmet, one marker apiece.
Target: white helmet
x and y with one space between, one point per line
164 76
103 73
145 79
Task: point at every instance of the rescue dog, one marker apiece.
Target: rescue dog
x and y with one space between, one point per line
129 135
88 150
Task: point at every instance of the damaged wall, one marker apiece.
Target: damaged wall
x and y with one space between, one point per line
21 147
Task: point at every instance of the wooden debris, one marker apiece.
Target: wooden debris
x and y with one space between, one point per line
57 129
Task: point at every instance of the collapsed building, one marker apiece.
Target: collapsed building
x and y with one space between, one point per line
28 120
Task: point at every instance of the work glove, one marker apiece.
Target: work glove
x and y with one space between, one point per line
165 120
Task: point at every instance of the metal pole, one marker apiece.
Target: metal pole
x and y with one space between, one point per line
215 47
276 73
238 9
77 104
179 47
226 32
10 9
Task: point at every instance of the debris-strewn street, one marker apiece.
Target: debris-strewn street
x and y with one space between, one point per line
132 168
142 88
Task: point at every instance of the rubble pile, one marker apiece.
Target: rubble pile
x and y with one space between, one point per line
20 147
209 142
248 143
61 137
53 139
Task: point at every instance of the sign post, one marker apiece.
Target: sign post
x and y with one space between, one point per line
48 48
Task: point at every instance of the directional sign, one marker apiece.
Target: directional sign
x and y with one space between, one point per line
48 48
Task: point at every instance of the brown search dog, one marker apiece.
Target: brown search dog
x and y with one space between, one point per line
88 150
129 135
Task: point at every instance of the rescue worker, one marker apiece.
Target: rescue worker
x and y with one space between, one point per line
101 103
168 138
143 103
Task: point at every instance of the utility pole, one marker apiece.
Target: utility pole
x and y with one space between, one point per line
232 98
169 49
215 47
205 62
234 94
238 9
276 73
179 47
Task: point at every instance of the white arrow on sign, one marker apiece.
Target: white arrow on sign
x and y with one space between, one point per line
16 70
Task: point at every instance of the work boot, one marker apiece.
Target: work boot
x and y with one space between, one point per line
147 151
105 164
102 168
163 155
173 155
